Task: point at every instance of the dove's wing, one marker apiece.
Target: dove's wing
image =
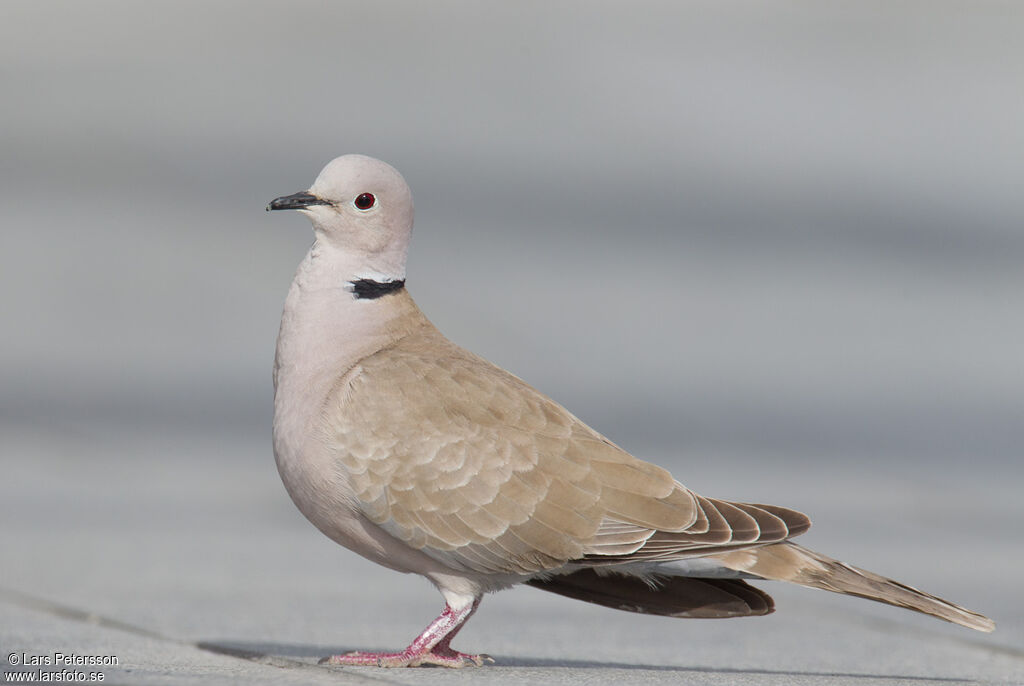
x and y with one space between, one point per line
466 462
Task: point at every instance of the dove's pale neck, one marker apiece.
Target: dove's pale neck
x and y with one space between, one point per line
326 328
329 265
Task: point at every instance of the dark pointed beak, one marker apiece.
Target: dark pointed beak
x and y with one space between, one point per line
296 201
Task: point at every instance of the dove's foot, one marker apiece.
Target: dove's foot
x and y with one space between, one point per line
451 658
432 647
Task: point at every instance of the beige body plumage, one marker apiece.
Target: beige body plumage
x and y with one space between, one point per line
425 458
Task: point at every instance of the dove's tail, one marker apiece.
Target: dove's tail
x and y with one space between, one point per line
669 596
798 565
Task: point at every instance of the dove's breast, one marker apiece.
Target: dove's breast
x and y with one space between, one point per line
324 333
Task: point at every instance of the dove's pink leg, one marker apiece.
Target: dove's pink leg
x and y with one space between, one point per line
432 647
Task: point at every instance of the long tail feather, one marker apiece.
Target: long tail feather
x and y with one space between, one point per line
798 565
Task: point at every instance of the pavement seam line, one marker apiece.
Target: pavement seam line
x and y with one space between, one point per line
894 626
61 611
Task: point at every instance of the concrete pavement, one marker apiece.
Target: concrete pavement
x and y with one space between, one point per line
179 553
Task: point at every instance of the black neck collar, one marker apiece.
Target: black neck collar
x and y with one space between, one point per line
368 289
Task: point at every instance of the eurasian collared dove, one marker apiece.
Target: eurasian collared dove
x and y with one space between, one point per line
421 456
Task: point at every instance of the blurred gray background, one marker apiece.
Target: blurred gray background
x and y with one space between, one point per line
776 247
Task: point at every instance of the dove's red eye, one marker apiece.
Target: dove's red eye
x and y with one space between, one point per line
365 201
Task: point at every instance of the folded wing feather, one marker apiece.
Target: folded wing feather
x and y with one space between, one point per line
465 461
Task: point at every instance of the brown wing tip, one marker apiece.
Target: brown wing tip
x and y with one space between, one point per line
797 522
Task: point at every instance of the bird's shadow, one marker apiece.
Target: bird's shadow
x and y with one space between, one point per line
301 654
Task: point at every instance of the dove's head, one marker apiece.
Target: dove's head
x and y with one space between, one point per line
362 207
